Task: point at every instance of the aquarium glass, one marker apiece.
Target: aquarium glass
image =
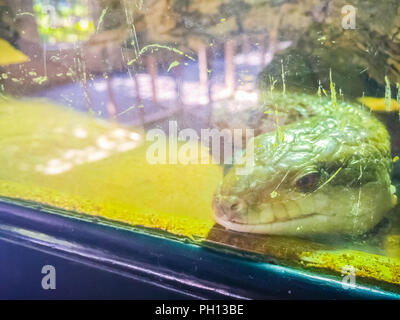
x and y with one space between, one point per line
264 128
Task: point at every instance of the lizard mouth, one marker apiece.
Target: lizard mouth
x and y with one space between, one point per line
271 218
329 212
277 227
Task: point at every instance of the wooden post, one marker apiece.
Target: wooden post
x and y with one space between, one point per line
84 76
203 70
273 36
153 70
246 47
139 102
178 71
230 81
263 52
202 53
112 105
88 98
127 55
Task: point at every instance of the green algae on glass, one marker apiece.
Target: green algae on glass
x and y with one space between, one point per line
388 94
332 87
173 65
272 86
103 13
40 80
156 47
127 110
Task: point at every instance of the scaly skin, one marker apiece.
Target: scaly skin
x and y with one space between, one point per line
327 171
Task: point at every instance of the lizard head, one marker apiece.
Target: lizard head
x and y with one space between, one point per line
324 174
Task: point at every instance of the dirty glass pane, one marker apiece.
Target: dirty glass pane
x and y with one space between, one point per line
264 128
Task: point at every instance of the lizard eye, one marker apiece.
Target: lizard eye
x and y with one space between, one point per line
308 183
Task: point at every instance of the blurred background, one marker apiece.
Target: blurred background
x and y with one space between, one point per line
139 62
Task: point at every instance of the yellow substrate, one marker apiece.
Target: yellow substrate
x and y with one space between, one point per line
67 159
365 264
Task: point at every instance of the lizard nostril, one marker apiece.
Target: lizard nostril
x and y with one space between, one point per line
237 205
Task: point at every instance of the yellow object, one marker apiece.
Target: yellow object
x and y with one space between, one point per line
10 55
379 104
75 162
366 265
